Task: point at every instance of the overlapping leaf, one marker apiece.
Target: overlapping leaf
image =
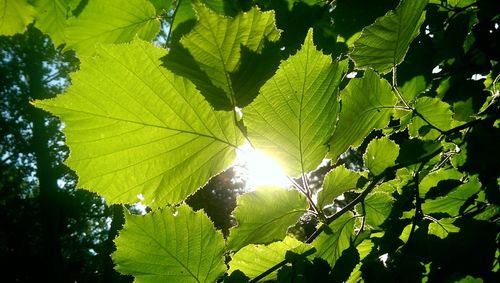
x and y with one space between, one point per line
384 44
15 15
294 114
377 207
443 227
453 201
437 114
335 239
215 44
111 21
256 259
367 104
380 155
167 246
337 182
264 216
134 128
52 15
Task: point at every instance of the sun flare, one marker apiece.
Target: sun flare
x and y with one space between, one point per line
258 169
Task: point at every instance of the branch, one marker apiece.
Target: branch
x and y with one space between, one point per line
368 189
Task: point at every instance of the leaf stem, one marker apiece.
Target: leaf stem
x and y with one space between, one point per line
172 19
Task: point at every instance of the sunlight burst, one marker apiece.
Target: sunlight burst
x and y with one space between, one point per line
258 169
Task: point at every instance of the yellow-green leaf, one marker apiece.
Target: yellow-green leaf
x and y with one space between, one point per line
170 246
136 130
15 15
293 117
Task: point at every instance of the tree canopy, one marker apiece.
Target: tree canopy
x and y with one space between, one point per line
384 115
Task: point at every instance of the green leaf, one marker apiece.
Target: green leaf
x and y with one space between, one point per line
335 239
443 227
186 13
51 18
134 128
215 44
294 114
453 201
380 155
367 104
337 181
412 88
112 21
432 179
256 259
15 16
383 45
264 216
378 206
170 246
436 112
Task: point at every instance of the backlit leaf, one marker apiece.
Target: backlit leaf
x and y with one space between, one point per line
51 18
111 21
443 227
380 155
384 44
378 206
337 182
170 246
134 128
335 239
367 104
435 112
294 114
255 259
264 216
15 15
453 201
215 44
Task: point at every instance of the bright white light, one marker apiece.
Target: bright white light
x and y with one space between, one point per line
258 169
477 77
436 70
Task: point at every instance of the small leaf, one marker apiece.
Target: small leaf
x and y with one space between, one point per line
367 104
215 44
293 116
337 181
134 128
264 216
111 21
254 260
453 201
380 155
383 45
443 227
162 5
166 246
15 16
378 206
335 239
436 112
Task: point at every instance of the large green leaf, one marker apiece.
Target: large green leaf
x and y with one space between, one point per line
15 15
134 128
170 246
256 259
51 18
264 216
453 201
384 44
294 114
111 21
337 182
378 206
215 44
335 239
380 155
367 104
